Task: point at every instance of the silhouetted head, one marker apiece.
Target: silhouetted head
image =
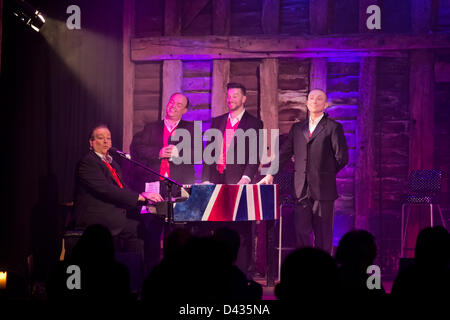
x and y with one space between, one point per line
307 273
433 248
357 248
176 241
95 245
229 237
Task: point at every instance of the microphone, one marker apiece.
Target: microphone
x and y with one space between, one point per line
121 153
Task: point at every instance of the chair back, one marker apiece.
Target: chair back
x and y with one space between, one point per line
425 181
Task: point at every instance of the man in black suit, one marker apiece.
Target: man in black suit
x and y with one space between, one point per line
101 196
320 151
155 147
229 170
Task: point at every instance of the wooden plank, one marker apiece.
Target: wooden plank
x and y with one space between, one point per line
318 16
421 97
172 17
271 16
221 17
172 80
147 85
217 47
197 84
421 11
268 75
318 74
220 79
128 74
150 70
192 11
147 101
365 144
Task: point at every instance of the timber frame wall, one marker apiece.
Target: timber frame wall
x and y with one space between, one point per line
381 84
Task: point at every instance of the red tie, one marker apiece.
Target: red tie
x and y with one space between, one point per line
310 134
114 173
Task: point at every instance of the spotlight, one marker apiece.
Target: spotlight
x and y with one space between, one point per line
28 15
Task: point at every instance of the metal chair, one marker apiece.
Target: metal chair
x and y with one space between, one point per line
424 187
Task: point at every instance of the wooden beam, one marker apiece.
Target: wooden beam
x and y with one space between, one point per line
128 74
172 17
271 16
192 11
220 79
363 5
218 47
221 17
172 81
365 144
268 77
318 16
421 97
318 74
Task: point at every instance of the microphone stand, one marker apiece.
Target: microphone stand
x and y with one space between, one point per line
167 180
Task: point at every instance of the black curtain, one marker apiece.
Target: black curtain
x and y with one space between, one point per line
56 85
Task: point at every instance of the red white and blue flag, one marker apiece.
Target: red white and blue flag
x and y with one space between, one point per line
224 202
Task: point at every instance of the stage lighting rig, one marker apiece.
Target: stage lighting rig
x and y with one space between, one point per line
28 14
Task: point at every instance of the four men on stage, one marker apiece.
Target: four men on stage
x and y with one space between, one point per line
318 144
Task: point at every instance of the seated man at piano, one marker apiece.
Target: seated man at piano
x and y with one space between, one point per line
101 197
230 171
155 147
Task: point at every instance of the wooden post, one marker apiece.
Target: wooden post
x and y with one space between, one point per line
220 79
172 17
172 81
318 16
268 77
221 17
421 99
128 74
365 143
271 16
318 74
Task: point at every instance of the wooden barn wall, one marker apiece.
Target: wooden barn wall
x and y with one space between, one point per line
391 154
442 123
149 18
246 17
197 87
343 97
147 94
293 86
294 17
443 24
247 73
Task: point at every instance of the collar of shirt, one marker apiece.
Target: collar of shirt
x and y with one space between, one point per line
168 126
106 158
236 119
313 123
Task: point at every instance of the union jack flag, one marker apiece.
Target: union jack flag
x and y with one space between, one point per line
225 202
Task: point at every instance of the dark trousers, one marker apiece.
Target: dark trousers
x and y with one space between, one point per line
316 217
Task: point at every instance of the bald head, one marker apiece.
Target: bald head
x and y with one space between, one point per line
177 106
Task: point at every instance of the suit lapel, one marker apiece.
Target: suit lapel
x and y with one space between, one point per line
305 130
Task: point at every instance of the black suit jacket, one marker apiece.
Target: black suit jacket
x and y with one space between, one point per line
98 198
317 159
235 171
145 148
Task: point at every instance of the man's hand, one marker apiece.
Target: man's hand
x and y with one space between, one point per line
244 180
168 152
152 196
266 180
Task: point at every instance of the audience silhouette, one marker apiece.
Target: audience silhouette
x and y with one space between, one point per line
242 288
101 277
429 274
356 251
